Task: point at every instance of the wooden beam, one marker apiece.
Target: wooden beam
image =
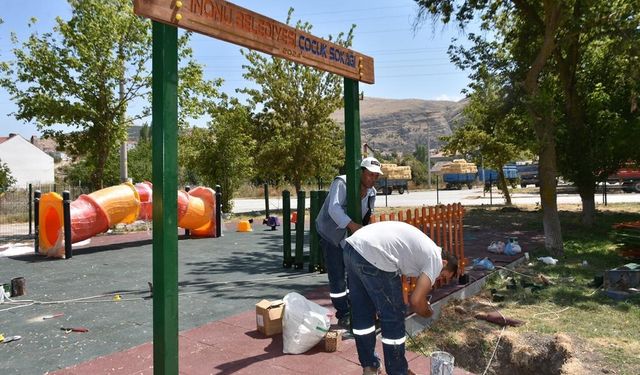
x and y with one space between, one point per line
226 21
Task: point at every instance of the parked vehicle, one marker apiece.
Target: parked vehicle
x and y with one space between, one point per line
395 177
388 185
459 173
628 177
528 175
458 180
491 176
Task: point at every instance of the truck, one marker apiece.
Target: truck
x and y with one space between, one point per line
458 174
528 175
395 177
628 177
491 176
458 180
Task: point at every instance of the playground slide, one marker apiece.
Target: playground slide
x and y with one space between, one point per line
95 213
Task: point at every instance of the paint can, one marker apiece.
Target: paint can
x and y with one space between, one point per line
18 287
442 363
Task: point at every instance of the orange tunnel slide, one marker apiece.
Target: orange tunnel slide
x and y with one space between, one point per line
95 213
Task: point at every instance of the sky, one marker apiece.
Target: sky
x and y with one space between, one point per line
408 63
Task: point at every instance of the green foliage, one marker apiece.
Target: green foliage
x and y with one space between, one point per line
6 179
419 172
221 154
421 153
71 76
492 134
139 163
297 139
196 96
81 172
85 73
566 74
602 83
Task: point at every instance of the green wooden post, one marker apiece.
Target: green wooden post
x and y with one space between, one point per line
287 262
352 148
164 131
298 262
266 200
322 196
314 243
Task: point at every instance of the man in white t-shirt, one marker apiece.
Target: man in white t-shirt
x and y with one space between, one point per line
375 256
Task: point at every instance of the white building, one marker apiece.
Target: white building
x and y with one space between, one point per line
27 163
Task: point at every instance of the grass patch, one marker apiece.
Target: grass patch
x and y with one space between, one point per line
571 315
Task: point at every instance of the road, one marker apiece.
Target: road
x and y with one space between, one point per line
472 197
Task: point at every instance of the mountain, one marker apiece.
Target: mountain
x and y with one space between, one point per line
396 125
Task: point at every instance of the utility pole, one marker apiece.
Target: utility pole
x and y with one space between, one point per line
429 155
428 146
124 173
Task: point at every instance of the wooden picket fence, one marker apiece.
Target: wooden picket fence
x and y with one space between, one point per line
443 224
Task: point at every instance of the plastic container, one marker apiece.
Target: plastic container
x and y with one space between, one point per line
244 226
442 363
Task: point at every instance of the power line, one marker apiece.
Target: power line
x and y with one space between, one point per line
342 11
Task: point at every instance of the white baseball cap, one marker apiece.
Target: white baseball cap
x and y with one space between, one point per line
372 164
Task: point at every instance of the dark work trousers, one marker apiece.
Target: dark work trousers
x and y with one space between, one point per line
337 279
373 291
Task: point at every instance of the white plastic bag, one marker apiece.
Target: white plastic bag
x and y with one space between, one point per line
304 324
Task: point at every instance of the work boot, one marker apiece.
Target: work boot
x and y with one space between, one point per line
345 322
370 371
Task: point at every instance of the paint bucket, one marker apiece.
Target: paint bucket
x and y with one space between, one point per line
18 287
244 226
442 363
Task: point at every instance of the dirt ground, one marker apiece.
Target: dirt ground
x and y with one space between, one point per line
480 346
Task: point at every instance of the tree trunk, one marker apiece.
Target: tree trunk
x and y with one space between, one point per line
550 219
504 187
545 128
588 206
580 144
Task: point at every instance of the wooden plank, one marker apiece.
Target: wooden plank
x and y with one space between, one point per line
229 22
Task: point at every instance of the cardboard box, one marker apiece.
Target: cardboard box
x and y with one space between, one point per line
269 316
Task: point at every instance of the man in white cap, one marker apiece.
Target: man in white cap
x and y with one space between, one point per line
332 224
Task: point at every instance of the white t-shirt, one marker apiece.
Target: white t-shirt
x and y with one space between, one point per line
395 246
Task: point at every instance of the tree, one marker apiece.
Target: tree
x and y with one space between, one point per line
86 72
490 131
71 76
297 139
6 179
222 153
419 173
139 161
81 171
525 40
596 64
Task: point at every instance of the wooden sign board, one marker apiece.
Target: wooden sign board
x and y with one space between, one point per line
226 21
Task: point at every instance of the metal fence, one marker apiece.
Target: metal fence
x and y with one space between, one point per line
16 209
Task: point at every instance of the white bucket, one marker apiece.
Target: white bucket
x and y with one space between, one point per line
442 363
